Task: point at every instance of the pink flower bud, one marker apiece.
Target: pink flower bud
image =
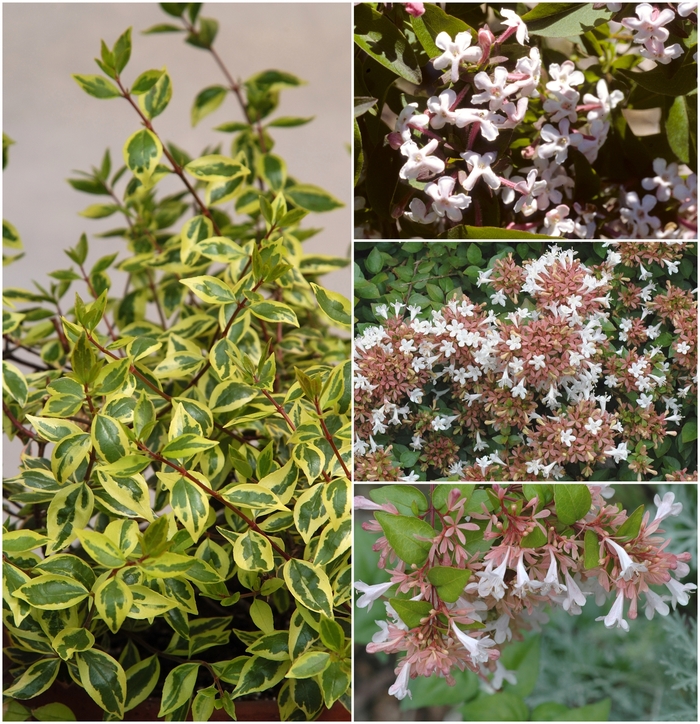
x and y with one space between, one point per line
415 9
485 39
394 140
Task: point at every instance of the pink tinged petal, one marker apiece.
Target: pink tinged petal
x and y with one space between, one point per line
616 618
399 688
362 503
655 604
370 593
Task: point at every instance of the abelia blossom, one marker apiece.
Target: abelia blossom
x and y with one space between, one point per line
512 20
420 163
445 203
456 51
480 168
649 23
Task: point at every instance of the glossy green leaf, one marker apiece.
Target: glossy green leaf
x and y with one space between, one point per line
334 305
253 552
411 612
259 674
52 592
629 530
409 537
384 42
36 679
309 664
449 581
141 680
97 86
311 198
572 501
207 101
191 506
69 510
178 687
142 153
591 550
72 640
275 312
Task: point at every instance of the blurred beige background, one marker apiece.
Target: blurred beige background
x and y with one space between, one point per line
57 127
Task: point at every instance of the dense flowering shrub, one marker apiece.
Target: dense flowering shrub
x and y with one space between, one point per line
540 366
180 522
499 127
471 568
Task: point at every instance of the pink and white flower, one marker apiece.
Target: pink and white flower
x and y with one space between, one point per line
456 51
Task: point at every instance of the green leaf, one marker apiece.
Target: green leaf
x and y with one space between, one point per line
36 679
122 51
678 129
259 674
667 80
216 167
487 232
310 459
689 431
523 657
178 687
405 496
52 592
309 584
101 549
210 289
474 254
229 396
450 582
536 539
141 679
206 102
289 121
629 530
332 635
271 311
575 20
384 42
113 599
97 86
310 511
334 540
72 640
129 490
591 550
186 445
142 152
433 22
573 501
146 81
53 712
23 540
191 507
335 681
411 612
53 430
334 305
274 646
69 510
273 170
156 99
311 198
109 438
502 706
402 533
309 664
104 679
253 552
256 497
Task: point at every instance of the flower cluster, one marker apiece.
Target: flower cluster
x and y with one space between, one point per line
486 563
495 146
590 370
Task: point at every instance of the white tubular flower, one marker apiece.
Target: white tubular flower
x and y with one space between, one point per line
456 51
557 142
593 426
480 168
679 592
567 437
649 24
574 598
445 203
419 213
527 72
501 626
628 567
494 92
523 583
605 100
555 221
656 51
484 463
491 582
420 163
537 362
512 20
408 115
666 506
440 108
688 7
519 390
370 593
485 119
564 76
399 688
551 580
475 647
530 190
615 618
655 603
619 453
564 105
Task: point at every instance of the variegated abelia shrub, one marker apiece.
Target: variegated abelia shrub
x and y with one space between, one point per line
180 522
